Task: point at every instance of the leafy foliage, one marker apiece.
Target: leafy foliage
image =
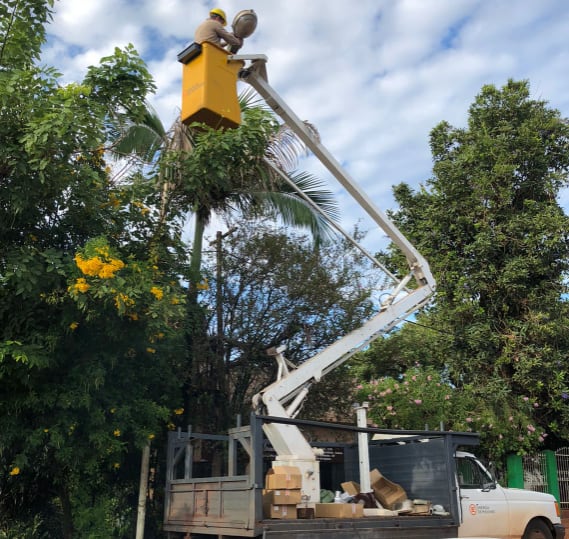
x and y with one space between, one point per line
89 293
272 288
22 31
497 242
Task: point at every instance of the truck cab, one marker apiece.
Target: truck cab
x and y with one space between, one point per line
488 508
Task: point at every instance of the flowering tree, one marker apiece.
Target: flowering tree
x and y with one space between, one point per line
422 398
89 297
490 224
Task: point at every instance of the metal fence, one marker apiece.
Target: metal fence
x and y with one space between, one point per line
535 473
562 461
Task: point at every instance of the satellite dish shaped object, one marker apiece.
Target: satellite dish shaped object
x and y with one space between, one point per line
244 23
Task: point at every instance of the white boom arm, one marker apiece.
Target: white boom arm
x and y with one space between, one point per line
284 397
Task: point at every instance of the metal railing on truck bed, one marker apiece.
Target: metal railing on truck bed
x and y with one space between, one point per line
214 483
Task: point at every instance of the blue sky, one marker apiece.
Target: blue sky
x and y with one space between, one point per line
374 76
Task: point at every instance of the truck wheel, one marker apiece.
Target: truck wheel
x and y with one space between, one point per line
537 529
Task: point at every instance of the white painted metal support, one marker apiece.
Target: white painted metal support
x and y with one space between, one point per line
363 447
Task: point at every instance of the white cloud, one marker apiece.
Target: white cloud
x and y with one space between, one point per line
374 76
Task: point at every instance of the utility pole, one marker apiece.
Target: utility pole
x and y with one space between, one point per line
219 290
143 491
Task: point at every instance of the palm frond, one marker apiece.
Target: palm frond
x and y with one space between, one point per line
143 139
292 210
179 137
249 98
298 199
286 149
315 189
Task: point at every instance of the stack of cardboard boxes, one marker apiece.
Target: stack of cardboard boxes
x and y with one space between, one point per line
282 495
282 492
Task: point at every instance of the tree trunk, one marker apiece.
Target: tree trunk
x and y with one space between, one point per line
67 517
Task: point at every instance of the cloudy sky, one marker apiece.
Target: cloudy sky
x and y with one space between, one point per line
374 76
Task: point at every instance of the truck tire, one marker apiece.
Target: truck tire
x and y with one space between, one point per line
537 529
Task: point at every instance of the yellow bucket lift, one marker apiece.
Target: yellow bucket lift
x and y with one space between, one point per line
209 86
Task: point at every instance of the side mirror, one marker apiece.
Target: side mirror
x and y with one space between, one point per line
487 487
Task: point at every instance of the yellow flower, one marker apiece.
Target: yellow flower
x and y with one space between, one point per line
81 285
97 267
157 292
151 350
117 432
15 471
113 410
123 301
89 266
151 436
113 201
171 426
116 465
108 270
179 411
175 301
73 326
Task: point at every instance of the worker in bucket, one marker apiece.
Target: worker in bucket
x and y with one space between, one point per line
212 30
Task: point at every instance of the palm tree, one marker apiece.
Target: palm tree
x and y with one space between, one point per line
259 187
248 171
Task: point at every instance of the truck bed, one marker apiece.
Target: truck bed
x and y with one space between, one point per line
232 505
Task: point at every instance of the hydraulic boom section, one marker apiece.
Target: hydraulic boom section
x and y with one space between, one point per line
284 397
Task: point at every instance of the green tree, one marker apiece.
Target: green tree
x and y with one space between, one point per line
490 225
270 287
89 303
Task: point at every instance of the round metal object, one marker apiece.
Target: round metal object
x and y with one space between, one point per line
244 23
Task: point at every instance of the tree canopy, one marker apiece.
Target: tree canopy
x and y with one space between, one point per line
88 302
496 238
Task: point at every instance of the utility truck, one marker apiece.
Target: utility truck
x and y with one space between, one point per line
425 465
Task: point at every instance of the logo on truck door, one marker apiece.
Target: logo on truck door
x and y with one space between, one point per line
475 509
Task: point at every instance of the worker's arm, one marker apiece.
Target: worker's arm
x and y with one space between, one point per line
228 37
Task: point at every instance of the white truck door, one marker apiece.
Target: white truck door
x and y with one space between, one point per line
484 507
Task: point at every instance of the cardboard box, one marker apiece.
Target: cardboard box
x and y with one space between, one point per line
386 492
283 477
338 510
282 497
421 509
379 512
283 512
351 487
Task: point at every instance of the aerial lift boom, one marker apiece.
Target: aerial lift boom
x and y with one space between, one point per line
284 397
